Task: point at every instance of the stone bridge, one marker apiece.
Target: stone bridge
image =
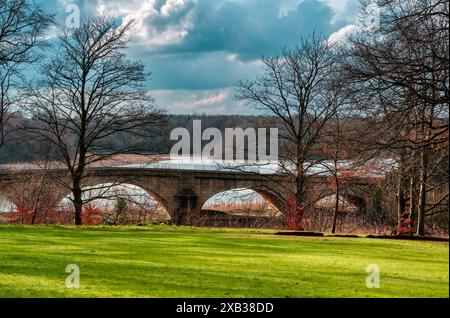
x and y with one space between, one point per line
181 192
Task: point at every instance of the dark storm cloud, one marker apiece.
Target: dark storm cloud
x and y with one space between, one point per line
205 46
247 28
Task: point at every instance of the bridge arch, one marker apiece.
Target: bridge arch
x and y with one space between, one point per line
348 202
7 204
104 195
239 197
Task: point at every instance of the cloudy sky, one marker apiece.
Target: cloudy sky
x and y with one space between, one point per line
198 49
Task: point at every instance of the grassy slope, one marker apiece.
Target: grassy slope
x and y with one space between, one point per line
185 262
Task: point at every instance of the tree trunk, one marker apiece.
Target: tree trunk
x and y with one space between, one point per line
298 189
401 202
33 218
411 195
77 178
336 209
77 202
299 199
422 192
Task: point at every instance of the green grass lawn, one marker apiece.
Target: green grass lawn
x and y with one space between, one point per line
165 261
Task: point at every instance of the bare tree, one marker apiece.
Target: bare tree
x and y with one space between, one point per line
22 24
333 149
6 100
401 74
299 90
88 92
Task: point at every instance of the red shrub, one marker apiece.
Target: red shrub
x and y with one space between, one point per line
91 215
21 215
43 213
295 215
406 225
